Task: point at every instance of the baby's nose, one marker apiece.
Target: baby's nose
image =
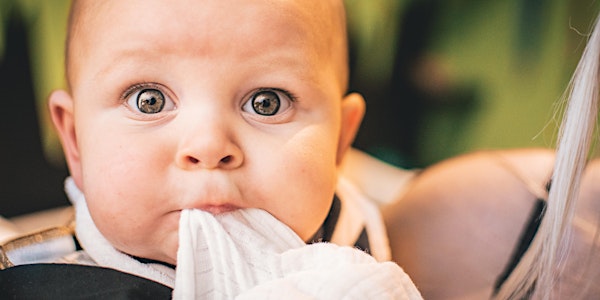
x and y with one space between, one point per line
211 149
209 158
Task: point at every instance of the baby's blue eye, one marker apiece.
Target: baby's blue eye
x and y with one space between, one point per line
150 101
266 103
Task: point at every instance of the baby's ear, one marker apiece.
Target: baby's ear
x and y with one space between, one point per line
61 110
353 110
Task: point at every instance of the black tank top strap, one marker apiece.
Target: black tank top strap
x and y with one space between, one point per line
535 219
325 232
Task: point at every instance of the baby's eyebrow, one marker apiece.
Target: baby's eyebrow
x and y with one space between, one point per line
125 59
135 62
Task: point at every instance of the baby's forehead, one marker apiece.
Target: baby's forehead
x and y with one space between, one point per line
323 21
326 17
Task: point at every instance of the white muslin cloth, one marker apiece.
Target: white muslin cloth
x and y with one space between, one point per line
249 254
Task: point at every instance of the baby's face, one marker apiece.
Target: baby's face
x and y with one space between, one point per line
215 105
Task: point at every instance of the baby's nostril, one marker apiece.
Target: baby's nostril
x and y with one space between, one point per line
226 159
193 160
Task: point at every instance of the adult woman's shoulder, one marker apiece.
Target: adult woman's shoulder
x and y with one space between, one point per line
456 226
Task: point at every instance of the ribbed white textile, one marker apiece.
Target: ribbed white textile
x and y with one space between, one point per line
248 254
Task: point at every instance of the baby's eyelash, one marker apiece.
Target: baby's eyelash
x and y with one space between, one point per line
137 87
289 94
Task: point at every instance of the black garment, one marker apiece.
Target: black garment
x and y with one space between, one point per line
325 233
527 235
67 281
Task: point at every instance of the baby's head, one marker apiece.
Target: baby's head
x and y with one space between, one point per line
214 104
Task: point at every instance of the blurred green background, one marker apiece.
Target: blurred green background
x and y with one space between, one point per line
440 78
447 77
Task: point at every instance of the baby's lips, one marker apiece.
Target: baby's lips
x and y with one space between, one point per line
218 209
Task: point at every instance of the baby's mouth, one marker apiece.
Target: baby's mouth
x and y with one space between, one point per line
218 209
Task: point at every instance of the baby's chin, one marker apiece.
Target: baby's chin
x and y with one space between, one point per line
165 254
170 255
169 258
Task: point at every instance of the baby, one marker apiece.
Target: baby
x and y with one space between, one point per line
218 106
211 105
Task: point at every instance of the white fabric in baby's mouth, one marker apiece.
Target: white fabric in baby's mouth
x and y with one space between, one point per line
222 255
248 254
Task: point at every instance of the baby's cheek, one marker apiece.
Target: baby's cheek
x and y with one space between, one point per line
110 224
115 220
309 218
308 211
